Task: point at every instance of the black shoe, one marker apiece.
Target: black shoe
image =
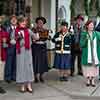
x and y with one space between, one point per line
8 81
72 74
41 79
61 78
88 84
81 74
2 91
92 83
36 80
65 78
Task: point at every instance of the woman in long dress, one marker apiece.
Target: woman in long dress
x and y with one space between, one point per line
24 74
90 45
39 50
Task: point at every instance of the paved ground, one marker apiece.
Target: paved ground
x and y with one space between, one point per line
52 89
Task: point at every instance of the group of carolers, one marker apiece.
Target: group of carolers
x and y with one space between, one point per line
19 45
25 51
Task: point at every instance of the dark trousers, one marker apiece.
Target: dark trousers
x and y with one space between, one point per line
76 53
10 66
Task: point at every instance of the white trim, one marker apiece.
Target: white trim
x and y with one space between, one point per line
40 42
64 52
58 39
58 45
96 61
67 45
95 51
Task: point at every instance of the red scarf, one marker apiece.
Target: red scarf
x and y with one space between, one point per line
26 39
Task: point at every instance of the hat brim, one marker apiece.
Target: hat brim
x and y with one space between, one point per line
40 18
79 17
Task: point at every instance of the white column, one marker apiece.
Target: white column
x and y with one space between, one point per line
53 15
52 21
42 8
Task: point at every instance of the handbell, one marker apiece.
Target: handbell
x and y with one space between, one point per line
5 45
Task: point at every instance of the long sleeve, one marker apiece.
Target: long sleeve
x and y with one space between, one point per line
83 40
72 39
31 33
55 37
98 35
98 27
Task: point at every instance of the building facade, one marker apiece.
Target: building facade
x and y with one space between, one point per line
53 10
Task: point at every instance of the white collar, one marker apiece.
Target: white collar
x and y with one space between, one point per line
13 27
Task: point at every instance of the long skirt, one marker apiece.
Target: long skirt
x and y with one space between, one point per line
24 66
90 71
2 65
40 59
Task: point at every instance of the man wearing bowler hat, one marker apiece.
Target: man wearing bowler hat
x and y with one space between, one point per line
76 51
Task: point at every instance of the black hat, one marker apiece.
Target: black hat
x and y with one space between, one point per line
41 18
80 17
64 24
